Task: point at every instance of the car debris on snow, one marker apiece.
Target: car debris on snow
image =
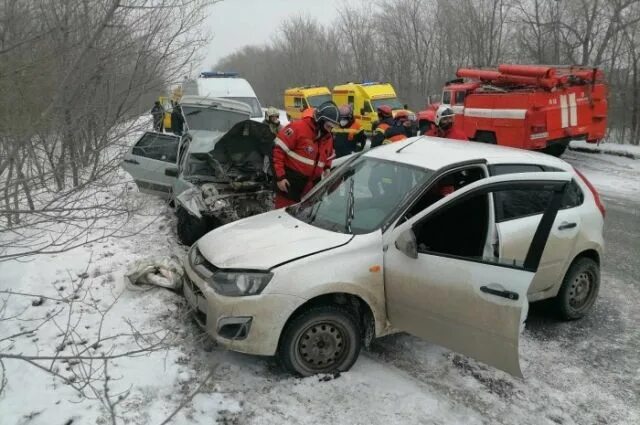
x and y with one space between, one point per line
165 272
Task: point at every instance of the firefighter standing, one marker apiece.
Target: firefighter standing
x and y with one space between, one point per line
349 137
303 151
157 112
403 128
272 119
444 125
385 120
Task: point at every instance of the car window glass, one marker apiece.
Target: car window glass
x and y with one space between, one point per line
367 107
512 204
211 119
318 100
446 97
499 169
157 146
350 100
305 105
460 97
444 186
361 196
573 196
252 102
297 102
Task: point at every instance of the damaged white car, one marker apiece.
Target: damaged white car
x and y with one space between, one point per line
216 173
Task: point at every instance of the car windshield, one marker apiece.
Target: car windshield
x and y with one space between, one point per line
360 196
393 102
317 100
211 119
199 165
256 111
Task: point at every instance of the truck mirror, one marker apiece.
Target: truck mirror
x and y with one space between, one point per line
171 171
406 106
361 111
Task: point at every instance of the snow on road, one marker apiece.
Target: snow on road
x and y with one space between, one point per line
399 380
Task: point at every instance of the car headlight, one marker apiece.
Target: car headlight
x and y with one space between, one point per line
230 283
239 283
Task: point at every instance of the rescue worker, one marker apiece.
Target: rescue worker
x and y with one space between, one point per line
427 119
349 137
157 112
403 128
302 153
385 120
177 120
272 119
444 125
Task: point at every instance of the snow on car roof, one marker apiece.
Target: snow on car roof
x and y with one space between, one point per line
433 153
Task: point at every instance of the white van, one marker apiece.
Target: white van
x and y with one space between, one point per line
225 85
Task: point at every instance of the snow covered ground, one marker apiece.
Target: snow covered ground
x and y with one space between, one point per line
569 379
630 151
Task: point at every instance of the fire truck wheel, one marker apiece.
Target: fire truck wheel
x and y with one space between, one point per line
485 137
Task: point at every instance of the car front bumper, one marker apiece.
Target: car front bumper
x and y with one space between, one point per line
249 324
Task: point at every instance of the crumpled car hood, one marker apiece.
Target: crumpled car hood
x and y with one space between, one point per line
264 241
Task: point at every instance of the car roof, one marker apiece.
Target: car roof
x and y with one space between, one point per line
215 102
434 153
225 87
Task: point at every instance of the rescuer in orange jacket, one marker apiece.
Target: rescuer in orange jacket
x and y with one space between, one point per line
385 120
444 125
303 151
403 128
349 137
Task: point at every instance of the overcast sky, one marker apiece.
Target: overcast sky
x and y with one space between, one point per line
237 23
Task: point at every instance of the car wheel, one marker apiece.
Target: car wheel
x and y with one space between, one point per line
579 289
190 228
321 340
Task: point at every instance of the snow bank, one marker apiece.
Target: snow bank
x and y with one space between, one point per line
629 151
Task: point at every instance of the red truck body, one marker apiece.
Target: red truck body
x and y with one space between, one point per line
528 106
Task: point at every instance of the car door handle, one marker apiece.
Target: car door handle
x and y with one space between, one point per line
564 225
132 161
500 293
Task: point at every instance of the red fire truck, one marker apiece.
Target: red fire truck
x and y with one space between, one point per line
528 106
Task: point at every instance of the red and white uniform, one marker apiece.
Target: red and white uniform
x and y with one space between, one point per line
301 154
451 133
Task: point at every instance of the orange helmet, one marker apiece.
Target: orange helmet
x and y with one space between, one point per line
385 111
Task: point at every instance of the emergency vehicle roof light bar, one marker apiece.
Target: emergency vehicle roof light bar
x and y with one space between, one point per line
217 74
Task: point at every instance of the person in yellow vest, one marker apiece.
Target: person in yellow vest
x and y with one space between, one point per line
349 137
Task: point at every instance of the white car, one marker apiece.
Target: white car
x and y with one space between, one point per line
442 239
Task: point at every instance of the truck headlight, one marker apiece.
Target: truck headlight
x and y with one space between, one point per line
239 283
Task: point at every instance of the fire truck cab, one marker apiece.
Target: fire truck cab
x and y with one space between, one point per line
529 107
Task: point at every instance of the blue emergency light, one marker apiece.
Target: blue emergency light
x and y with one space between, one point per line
217 74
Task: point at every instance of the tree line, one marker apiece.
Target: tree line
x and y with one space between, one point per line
74 77
417 45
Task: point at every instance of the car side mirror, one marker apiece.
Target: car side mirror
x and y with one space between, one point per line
407 244
171 171
406 106
361 111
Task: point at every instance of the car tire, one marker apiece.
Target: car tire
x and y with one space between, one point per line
579 289
324 339
190 228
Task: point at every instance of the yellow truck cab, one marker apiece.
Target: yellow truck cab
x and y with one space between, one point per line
297 99
365 98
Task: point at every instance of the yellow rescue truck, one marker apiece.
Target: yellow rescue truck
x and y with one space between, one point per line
297 99
365 98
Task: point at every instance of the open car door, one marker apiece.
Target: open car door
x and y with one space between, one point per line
441 286
148 159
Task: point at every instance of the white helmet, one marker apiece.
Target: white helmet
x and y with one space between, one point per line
443 111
